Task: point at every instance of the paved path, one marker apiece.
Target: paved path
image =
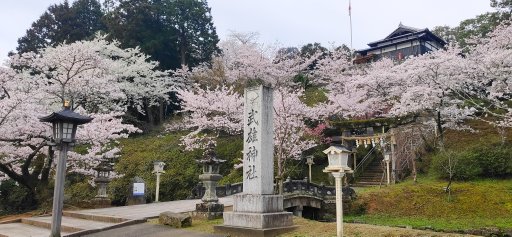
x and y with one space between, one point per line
80 223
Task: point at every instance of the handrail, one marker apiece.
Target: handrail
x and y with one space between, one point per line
360 165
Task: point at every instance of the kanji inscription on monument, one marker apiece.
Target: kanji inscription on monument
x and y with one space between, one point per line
257 211
258 141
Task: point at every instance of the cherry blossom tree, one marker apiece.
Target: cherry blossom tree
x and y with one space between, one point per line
219 108
100 79
486 77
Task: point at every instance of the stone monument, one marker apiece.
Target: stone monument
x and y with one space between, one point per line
257 211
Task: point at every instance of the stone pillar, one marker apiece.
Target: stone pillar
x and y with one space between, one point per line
298 211
339 203
393 158
257 211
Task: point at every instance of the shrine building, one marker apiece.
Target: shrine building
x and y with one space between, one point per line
403 42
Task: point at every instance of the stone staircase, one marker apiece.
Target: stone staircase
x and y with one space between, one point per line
371 175
73 224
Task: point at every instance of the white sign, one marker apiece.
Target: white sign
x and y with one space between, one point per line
138 189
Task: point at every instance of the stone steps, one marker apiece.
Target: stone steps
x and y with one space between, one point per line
97 220
371 176
366 184
72 224
95 217
19 229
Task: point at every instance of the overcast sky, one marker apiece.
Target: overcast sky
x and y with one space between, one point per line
288 22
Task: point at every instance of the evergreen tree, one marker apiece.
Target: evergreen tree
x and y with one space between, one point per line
479 26
197 39
63 23
173 32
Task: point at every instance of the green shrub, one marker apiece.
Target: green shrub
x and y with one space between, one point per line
15 198
481 160
463 164
235 176
182 170
495 161
137 157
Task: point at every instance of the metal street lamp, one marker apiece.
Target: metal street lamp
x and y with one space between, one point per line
309 161
338 156
64 123
158 169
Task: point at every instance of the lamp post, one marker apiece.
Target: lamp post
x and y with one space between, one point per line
158 169
387 159
354 151
338 156
64 123
309 161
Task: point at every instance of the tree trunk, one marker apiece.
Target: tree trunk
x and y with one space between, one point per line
281 186
414 171
161 111
440 126
183 47
150 120
503 134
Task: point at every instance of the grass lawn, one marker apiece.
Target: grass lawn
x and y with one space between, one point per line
472 205
309 228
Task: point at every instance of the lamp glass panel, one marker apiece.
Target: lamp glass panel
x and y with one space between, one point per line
56 130
344 159
309 160
334 159
67 130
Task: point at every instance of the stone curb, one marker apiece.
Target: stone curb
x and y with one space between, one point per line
48 225
92 231
91 217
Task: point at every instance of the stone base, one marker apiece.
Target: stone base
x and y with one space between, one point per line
235 231
101 202
258 220
206 215
257 203
209 207
135 200
208 211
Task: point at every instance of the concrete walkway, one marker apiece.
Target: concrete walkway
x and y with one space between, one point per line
84 222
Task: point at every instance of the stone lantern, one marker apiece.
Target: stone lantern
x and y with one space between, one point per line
338 156
102 180
210 208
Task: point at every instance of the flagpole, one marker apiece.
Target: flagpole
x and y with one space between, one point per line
350 15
